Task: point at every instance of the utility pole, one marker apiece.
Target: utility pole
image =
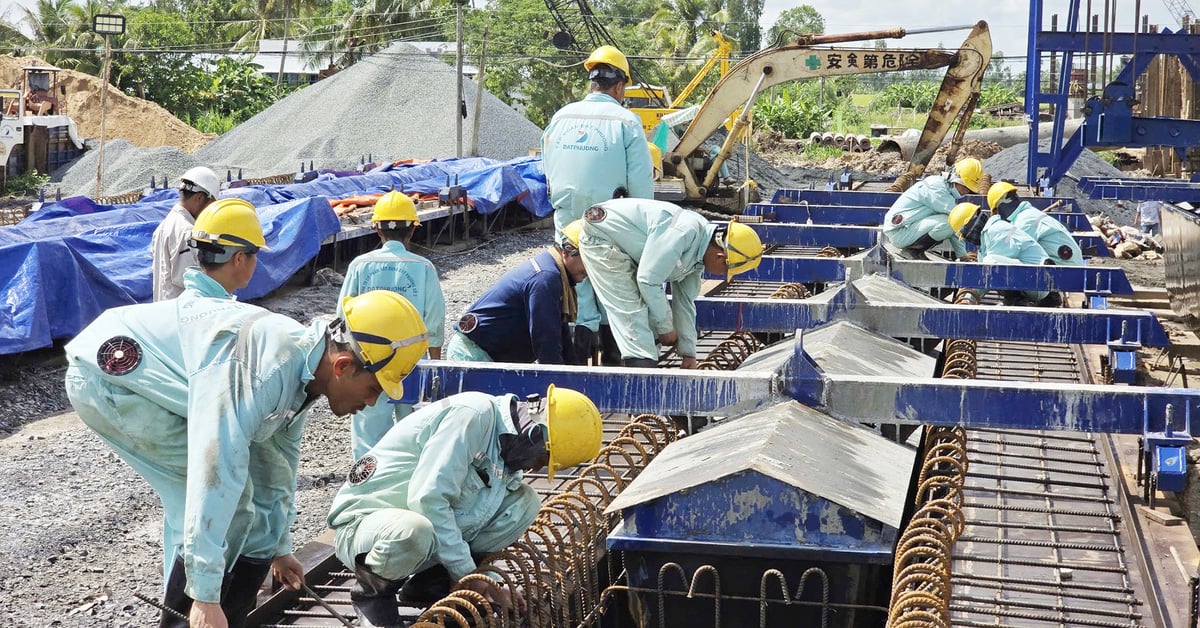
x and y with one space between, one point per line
283 53
479 92
459 105
107 25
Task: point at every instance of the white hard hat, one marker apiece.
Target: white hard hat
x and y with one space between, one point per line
204 179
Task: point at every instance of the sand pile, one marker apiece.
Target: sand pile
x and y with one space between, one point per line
141 122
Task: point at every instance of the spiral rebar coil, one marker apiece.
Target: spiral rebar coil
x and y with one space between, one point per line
829 251
553 564
730 354
791 291
921 577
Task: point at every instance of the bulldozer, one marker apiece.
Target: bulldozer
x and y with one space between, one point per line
35 131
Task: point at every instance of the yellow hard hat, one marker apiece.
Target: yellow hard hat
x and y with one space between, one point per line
387 335
608 55
395 207
574 428
961 215
743 249
656 159
231 222
570 237
999 191
969 172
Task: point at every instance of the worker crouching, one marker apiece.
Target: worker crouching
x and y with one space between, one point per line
444 487
631 247
1051 235
1000 242
526 315
919 219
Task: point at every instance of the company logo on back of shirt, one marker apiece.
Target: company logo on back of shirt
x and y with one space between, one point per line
583 136
583 142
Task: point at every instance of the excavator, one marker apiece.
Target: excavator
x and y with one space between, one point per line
691 171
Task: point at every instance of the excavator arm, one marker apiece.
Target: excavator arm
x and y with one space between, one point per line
800 60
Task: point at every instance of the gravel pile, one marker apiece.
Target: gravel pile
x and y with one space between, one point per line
1012 163
397 104
126 168
81 532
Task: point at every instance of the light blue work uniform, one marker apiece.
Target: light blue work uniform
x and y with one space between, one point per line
463 349
631 247
591 148
393 267
1001 242
1053 236
924 209
226 473
202 285
434 489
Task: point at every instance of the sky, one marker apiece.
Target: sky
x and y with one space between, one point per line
1008 20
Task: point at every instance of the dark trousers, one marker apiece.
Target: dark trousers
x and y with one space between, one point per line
239 592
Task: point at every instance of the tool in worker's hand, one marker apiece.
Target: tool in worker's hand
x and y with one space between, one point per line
325 605
156 604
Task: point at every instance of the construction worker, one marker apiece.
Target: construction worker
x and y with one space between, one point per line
169 245
918 219
226 239
631 247
444 487
393 267
206 399
594 150
1000 242
525 316
1053 236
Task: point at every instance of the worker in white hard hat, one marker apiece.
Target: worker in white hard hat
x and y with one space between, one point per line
632 247
226 238
169 246
918 220
444 487
594 150
394 267
206 399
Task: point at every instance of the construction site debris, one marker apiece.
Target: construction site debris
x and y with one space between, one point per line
399 103
138 121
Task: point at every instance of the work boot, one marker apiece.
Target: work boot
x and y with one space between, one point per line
374 598
239 592
424 588
917 249
641 363
1054 299
1014 298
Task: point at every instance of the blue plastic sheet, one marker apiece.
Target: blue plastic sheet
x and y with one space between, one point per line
65 264
490 184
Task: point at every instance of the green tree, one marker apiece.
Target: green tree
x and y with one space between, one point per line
743 22
803 19
170 79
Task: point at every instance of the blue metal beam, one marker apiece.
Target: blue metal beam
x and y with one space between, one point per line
873 216
1062 326
851 198
1168 190
817 235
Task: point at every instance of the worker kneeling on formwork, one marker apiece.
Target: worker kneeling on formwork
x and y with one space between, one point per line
631 247
1053 236
393 267
444 487
206 399
918 220
526 316
1000 242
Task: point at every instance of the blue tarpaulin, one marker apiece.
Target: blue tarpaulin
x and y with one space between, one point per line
65 264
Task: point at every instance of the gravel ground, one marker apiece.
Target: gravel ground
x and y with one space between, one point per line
81 532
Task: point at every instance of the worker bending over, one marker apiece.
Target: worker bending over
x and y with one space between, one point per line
631 247
169 250
1000 242
444 487
393 267
206 399
1053 236
918 220
594 150
526 316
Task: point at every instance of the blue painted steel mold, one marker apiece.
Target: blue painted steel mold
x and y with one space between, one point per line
859 237
1171 465
1167 190
805 212
786 196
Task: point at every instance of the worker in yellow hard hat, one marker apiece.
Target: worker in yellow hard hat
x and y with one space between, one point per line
393 267
169 250
226 238
632 247
206 399
917 220
1000 242
594 150
525 316
1050 234
444 487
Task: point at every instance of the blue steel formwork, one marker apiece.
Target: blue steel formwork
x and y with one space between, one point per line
1166 190
859 237
1109 119
851 198
867 215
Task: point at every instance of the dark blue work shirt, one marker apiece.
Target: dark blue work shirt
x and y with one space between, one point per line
520 318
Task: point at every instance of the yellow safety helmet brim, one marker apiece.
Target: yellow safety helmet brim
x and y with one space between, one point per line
574 429
961 216
230 222
386 333
395 207
997 192
743 249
